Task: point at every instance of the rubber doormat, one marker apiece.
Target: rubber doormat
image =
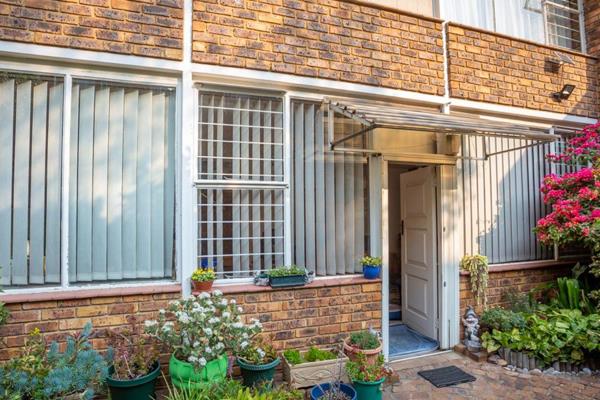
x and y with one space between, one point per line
446 376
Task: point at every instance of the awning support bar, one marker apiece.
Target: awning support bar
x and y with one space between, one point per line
513 149
350 136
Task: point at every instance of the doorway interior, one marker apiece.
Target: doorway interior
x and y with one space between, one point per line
413 327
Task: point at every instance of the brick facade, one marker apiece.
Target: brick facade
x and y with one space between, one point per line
495 69
152 28
336 40
592 26
296 318
521 280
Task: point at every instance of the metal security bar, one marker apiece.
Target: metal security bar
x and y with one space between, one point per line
240 183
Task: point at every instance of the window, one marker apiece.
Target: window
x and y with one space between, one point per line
122 182
330 195
240 185
554 22
31 110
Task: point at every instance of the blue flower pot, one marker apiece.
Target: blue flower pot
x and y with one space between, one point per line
371 271
317 391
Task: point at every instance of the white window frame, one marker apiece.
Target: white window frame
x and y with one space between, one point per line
68 73
208 183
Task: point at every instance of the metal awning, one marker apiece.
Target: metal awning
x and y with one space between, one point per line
373 115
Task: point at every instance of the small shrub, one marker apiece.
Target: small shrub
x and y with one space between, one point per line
258 352
43 373
293 357
364 340
361 371
502 320
230 389
520 302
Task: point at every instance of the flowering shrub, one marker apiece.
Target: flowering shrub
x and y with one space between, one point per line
574 198
258 353
202 328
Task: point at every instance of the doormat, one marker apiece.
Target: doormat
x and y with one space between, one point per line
446 376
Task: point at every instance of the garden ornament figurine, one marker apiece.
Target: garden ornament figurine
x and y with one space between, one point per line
471 324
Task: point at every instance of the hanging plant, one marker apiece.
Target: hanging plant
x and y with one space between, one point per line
477 266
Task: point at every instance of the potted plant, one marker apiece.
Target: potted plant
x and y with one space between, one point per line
201 331
202 279
308 368
134 364
371 267
334 389
257 363
366 342
287 276
366 377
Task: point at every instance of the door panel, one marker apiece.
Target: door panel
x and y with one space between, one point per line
419 285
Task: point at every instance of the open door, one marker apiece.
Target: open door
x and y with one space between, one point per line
418 251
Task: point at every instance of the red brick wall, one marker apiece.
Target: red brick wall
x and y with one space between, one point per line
592 26
487 67
328 39
293 318
151 28
501 282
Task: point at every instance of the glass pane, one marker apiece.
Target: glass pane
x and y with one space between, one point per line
478 13
122 182
31 110
563 24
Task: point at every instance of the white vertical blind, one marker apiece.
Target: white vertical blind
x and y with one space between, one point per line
240 185
122 185
30 173
330 204
502 201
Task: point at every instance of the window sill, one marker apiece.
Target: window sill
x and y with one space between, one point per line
235 288
525 265
73 293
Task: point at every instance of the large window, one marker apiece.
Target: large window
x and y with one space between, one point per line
240 184
121 199
555 22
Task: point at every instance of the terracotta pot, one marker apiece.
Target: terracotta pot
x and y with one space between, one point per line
202 286
371 355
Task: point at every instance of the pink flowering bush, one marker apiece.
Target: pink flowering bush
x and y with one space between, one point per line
574 198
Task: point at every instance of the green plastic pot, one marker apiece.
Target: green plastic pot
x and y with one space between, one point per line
184 375
134 389
368 390
257 375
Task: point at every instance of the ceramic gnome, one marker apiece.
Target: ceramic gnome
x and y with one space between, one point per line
471 324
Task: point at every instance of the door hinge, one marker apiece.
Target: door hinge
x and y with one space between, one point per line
402 227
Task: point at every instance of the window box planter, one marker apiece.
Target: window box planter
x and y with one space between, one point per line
312 373
317 391
257 375
368 390
184 375
287 281
141 388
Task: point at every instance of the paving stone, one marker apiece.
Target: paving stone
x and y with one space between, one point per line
493 382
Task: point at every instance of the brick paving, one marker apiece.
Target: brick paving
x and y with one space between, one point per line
493 382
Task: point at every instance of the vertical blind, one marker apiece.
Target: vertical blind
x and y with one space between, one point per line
240 186
330 204
30 178
122 182
502 200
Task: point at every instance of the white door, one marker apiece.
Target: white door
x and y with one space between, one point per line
418 249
